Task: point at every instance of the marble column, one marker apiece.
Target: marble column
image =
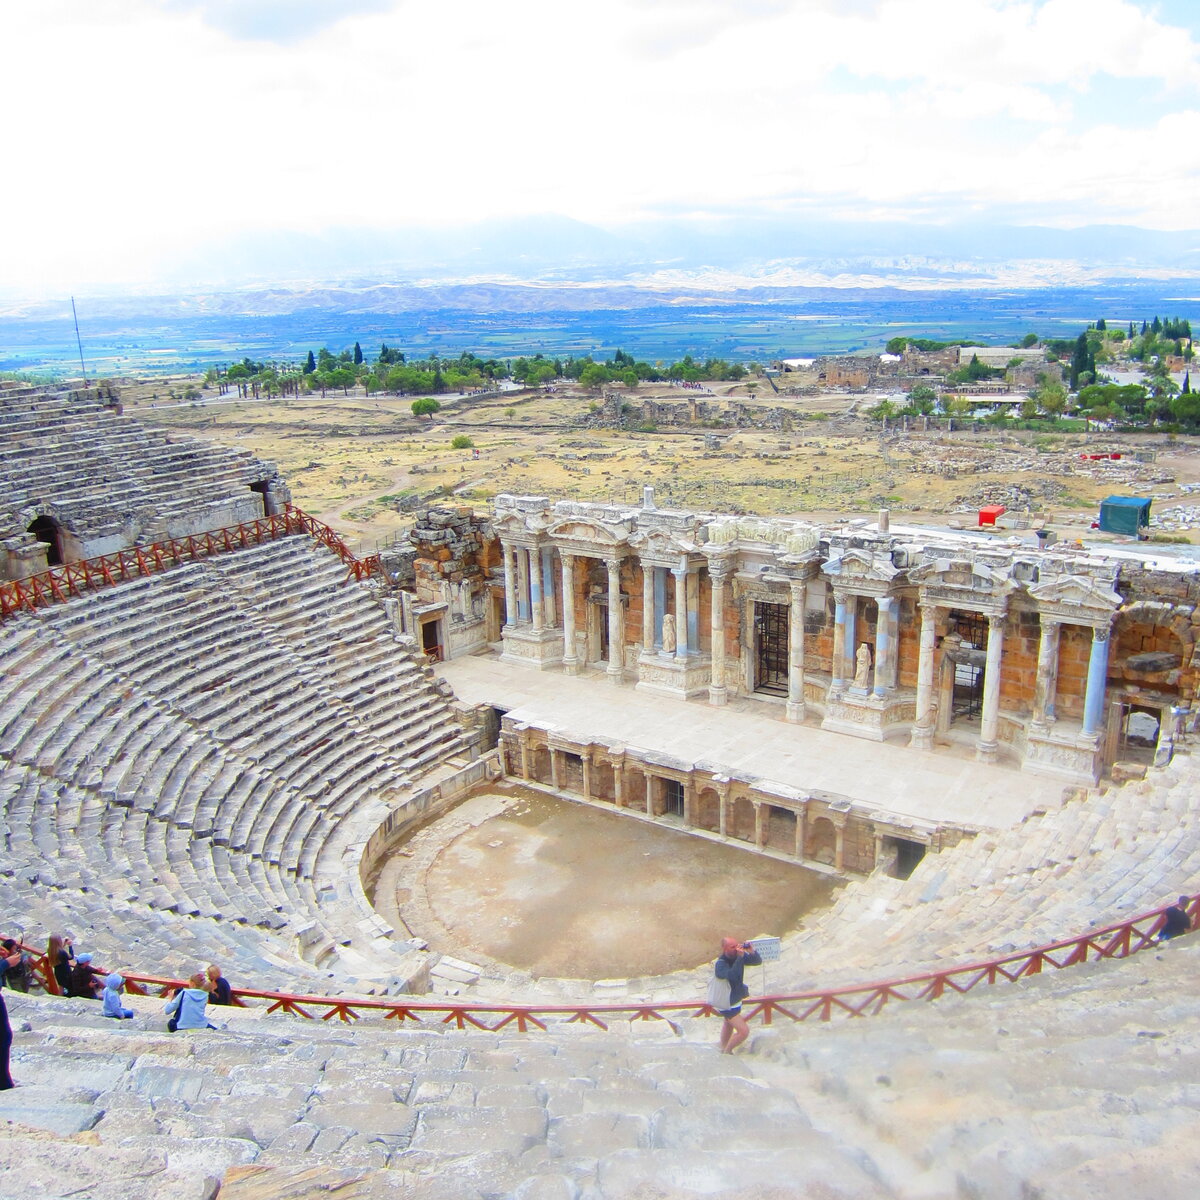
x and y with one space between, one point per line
549 615
795 700
647 609
570 658
885 647
524 744
649 794
760 830
535 590
616 624
850 641
838 665
554 768
717 691
681 612
660 603
1097 679
922 732
801 832
989 725
723 817
1046 683
522 583
586 760
618 784
689 801
511 612
839 845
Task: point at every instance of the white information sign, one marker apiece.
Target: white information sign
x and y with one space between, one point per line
767 947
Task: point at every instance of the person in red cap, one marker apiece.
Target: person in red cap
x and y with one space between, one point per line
728 990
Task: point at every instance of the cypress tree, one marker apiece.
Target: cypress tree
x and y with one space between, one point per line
358 355
310 364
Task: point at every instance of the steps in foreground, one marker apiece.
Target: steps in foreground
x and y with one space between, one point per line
1072 1085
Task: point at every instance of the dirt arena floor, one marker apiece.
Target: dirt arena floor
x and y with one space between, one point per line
558 888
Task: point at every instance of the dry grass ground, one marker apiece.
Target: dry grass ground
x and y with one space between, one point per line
351 459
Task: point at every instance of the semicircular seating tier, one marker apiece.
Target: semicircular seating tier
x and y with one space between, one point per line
1096 860
107 481
188 762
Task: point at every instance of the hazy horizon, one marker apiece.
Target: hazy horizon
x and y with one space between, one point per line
205 144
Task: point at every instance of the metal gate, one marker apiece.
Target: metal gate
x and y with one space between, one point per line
967 700
771 648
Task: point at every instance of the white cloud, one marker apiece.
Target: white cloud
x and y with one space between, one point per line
149 126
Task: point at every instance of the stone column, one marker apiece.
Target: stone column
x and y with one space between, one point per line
839 845
885 647
649 794
801 831
647 609
535 590
549 615
838 665
723 797
618 783
760 831
522 583
616 624
795 700
570 659
523 737
586 759
1097 680
922 733
511 612
850 641
717 691
681 614
1047 675
689 801
553 767
990 720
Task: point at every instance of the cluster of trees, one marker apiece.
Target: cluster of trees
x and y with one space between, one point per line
898 345
623 368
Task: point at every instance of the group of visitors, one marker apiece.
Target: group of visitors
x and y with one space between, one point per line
187 1007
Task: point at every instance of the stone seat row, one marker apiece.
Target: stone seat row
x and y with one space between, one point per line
1092 862
997 1094
194 809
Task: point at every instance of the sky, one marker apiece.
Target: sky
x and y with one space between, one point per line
142 132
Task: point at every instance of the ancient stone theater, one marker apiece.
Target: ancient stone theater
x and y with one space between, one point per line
226 738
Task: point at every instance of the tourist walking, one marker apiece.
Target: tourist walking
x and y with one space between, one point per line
728 989
13 968
186 1007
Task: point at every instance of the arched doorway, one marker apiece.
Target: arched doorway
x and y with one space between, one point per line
822 841
740 820
48 530
708 810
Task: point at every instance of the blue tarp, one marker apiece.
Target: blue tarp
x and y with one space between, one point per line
1124 514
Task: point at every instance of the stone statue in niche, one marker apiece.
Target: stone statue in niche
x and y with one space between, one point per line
668 636
863 666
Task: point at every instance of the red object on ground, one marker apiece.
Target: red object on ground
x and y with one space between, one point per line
989 512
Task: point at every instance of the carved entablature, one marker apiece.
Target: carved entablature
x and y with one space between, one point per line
588 538
1076 600
864 573
964 584
791 539
660 548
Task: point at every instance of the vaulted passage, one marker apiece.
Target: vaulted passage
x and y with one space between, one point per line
47 530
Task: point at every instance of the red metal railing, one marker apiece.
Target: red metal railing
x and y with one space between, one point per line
72 579
859 1000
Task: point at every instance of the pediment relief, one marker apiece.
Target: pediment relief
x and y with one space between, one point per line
1076 591
587 532
861 565
963 575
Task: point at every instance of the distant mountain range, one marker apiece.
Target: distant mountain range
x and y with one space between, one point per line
557 264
